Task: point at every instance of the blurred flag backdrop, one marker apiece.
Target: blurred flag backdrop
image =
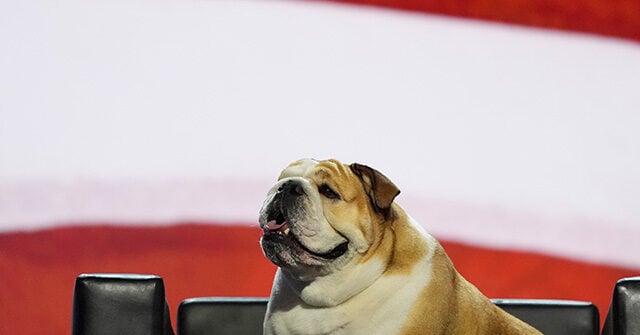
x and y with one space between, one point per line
141 136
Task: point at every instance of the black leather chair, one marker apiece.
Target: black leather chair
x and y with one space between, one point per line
244 316
117 304
623 317
221 316
552 317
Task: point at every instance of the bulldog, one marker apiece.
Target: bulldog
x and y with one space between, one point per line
351 261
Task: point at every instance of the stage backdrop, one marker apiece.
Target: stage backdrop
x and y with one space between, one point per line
141 136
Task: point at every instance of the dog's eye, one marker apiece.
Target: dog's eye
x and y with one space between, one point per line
325 190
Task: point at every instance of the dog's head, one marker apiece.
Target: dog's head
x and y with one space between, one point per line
323 215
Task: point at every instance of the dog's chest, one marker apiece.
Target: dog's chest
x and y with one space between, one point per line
380 309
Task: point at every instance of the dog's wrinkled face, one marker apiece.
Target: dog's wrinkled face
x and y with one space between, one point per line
320 215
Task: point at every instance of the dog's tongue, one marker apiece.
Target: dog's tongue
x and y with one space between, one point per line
273 225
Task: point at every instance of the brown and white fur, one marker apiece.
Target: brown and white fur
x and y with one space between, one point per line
351 261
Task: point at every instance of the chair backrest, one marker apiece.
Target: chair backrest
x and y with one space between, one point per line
553 317
116 304
623 317
244 316
221 316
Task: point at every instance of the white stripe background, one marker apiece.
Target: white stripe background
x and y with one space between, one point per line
159 111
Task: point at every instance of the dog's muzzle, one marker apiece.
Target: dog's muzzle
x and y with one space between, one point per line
279 230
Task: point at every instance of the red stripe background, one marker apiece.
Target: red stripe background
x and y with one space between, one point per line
619 18
210 260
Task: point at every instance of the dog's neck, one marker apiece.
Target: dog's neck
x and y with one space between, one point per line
337 287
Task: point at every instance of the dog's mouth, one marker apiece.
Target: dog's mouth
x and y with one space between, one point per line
277 230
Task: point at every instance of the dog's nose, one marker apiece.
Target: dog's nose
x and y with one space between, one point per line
291 187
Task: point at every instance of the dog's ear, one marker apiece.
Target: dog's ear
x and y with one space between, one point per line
379 188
